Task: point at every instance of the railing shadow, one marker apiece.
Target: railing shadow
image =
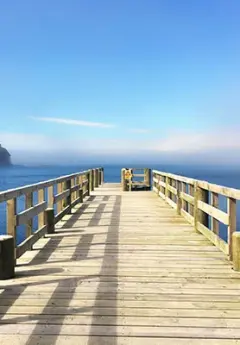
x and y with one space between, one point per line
69 285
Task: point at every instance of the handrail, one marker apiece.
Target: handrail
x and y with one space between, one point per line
71 189
198 200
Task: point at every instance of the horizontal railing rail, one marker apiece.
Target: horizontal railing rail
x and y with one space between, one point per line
49 201
198 201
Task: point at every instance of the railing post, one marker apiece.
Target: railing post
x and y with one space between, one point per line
29 204
130 180
81 189
203 196
99 176
11 222
232 223
236 250
102 176
88 183
69 197
95 178
147 177
91 180
196 211
41 220
7 257
166 187
214 222
123 180
191 192
179 199
50 220
59 203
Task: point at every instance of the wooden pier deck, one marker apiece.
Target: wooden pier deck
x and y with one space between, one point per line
122 269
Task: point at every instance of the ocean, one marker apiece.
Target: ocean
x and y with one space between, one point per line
17 176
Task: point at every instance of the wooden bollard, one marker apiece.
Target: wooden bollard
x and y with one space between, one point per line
236 250
50 220
7 257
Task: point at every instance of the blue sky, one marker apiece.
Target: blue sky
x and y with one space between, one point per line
105 77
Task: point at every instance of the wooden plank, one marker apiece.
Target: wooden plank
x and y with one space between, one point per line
172 189
123 331
214 212
217 241
187 197
171 203
109 340
25 216
226 191
187 216
175 177
162 184
61 196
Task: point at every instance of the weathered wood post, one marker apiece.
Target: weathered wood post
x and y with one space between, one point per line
179 199
130 180
123 180
91 180
11 222
7 257
203 196
88 183
99 176
102 175
50 220
236 250
69 197
147 178
96 183
214 222
166 187
196 211
232 223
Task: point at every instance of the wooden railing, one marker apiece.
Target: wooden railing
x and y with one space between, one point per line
198 201
134 178
49 207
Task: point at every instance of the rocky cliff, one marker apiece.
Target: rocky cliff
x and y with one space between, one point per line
5 157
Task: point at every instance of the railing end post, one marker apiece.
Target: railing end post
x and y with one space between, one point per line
7 257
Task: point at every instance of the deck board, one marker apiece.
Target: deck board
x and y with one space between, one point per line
121 268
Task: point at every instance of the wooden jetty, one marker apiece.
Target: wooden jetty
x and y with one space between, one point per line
108 266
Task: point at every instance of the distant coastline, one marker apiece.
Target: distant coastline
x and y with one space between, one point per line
5 157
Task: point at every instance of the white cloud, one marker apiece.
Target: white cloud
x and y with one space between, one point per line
73 122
